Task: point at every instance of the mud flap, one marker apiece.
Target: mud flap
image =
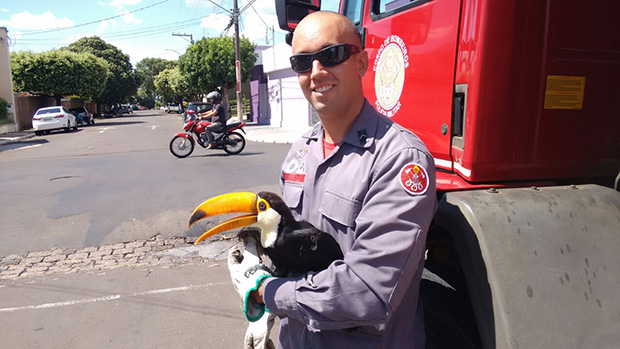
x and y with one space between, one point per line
541 264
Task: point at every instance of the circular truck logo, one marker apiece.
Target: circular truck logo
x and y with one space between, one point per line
389 69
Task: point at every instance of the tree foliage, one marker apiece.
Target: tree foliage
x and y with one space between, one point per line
210 63
147 69
122 80
171 85
57 73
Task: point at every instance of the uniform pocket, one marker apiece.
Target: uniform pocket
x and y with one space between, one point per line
340 209
292 195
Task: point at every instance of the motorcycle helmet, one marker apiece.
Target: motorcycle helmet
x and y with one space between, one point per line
215 96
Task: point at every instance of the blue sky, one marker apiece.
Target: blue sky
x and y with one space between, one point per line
140 28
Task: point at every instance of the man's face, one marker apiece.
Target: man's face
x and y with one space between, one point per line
330 90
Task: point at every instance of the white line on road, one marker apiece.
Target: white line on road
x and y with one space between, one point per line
102 130
154 127
109 298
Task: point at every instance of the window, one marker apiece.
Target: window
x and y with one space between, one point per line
390 6
353 10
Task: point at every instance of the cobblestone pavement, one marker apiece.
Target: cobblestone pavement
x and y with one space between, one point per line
156 251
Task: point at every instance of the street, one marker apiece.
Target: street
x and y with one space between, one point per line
95 246
117 181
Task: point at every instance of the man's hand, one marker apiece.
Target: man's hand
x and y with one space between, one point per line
247 272
257 334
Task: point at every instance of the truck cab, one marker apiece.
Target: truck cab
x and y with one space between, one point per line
516 100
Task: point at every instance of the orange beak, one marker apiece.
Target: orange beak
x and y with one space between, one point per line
226 203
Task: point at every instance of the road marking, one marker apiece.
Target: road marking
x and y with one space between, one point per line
154 127
109 298
102 130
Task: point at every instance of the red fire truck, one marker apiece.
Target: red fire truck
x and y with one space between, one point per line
518 103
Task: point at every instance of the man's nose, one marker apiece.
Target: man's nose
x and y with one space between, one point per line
317 69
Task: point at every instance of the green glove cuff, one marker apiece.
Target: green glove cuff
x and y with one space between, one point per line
254 311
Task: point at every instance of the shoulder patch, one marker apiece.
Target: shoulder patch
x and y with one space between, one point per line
414 179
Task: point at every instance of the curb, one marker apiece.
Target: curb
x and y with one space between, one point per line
7 139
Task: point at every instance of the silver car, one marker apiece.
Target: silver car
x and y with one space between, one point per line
53 118
83 113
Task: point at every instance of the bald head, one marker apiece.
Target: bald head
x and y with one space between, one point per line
329 27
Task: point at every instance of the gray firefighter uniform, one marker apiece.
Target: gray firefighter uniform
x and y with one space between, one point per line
375 194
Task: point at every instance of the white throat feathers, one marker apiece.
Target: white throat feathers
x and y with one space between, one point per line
268 222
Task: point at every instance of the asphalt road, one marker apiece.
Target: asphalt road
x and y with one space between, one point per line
116 181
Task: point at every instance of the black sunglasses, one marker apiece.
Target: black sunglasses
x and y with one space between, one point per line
329 57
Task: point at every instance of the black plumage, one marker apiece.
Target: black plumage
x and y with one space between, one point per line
299 247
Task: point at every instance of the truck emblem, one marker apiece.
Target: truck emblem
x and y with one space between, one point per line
414 179
389 68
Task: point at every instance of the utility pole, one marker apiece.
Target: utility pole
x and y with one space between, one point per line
191 38
237 61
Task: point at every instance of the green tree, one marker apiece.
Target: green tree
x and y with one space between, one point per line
122 80
58 73
147 69
171 85
210 63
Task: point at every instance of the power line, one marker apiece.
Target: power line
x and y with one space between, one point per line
131 32
89 23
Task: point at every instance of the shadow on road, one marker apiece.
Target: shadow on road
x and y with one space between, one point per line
116 122
224 155
23 144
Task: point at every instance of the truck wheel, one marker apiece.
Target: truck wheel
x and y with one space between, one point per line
448 317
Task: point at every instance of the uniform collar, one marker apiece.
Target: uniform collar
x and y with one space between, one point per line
362 132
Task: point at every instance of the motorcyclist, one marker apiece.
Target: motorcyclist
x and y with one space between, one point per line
217 116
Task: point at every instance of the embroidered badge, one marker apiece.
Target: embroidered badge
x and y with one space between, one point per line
414 179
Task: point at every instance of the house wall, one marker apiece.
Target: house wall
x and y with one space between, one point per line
288 108
6 82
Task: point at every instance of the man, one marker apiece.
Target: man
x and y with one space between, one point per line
369 183
217 115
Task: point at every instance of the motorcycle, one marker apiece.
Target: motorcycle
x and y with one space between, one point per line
228 139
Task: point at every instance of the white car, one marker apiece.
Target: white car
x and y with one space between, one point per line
53 118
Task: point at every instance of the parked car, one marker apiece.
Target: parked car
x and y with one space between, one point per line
53 118
173 108
195 108
83 113
135 106
126 109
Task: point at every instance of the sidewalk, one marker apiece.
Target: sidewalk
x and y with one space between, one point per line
12 137
272 134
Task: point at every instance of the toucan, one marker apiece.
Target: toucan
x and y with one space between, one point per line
294 247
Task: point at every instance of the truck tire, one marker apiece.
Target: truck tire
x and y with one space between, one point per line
448 316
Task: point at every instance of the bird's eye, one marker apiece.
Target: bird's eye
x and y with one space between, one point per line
262 205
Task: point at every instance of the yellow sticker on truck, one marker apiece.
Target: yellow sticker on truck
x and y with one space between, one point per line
565 92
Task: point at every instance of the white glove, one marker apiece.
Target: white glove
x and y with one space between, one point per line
257 334
247 272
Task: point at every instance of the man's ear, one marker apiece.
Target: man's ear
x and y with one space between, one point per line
363 63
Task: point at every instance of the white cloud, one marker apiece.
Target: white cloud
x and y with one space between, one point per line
130 18
120 3
4 10
199 3
215 22
28 21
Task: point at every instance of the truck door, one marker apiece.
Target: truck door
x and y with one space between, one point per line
411 48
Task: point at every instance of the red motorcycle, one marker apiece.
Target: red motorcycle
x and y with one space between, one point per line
228 139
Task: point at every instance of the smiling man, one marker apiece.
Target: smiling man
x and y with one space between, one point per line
367 182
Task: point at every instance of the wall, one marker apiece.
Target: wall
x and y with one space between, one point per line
27 106
288 108
6 81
